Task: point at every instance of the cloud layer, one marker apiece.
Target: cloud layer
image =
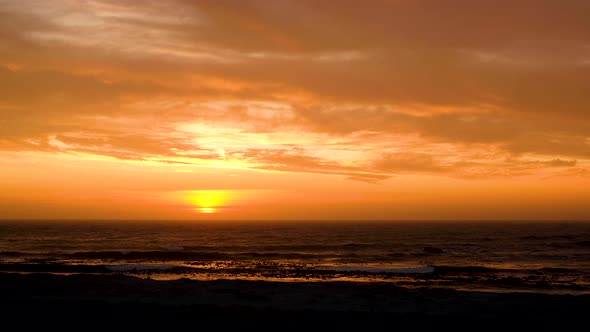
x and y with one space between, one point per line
369 90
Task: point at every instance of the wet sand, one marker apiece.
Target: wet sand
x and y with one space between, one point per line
103 300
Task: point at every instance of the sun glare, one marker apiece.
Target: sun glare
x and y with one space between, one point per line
209 201
207 210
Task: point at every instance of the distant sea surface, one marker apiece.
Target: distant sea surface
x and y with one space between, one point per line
503 256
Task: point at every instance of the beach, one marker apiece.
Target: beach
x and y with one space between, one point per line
109 299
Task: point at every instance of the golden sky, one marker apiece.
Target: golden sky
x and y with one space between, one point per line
295 109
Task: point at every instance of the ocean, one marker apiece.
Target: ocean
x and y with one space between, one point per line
490 256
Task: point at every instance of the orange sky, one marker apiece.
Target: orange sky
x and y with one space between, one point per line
263 110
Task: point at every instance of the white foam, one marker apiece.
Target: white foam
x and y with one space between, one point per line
376 269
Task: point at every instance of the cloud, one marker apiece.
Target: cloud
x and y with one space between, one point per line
564 144
132 146
408 162
415 53
447 88
297 160
561 163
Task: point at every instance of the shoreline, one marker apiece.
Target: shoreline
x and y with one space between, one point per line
465 278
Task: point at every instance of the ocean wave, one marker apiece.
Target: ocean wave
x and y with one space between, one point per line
173 254
351 246
475 269
132 267
167 255
546 237
379 270
464 269
52 268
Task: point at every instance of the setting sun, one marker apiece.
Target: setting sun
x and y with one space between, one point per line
207 210
209 201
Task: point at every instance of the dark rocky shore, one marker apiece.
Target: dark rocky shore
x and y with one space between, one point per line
116 299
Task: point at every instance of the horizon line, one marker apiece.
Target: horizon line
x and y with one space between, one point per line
294 220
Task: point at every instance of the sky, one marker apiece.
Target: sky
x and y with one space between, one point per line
295 110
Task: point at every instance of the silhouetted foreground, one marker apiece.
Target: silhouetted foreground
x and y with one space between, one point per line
107 300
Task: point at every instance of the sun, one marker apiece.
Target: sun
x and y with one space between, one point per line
208 201
207 210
